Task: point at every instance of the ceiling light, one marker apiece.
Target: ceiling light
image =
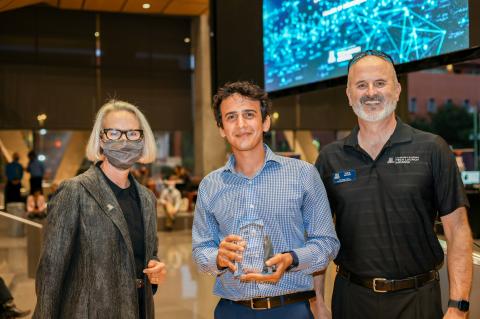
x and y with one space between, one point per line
97 34
146 5
186 40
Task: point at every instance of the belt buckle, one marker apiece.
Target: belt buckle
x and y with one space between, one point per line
375 285
252 305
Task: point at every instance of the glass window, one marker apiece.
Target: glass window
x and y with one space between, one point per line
431 105
412 106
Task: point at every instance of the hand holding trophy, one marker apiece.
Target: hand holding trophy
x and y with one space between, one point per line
258 248
258 263
230 252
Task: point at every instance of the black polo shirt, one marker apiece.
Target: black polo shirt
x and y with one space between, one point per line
385 208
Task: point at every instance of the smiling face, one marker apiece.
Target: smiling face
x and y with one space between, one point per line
373 90
242 123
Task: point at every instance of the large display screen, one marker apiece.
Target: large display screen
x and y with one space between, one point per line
307 41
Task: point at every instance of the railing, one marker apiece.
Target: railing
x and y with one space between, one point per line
20 219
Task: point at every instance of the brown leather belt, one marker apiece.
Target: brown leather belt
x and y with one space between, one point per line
386 285
277 301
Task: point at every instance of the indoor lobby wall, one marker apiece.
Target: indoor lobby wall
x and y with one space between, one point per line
52 62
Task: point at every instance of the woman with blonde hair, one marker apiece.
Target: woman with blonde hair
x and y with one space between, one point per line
99 258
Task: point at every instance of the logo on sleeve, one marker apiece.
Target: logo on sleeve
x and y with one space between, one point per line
344 176
403 159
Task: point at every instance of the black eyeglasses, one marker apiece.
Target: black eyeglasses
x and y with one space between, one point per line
360 55
114 134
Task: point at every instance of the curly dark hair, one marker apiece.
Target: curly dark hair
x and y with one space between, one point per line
244 88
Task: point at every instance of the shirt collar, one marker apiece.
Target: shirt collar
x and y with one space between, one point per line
402 133
270 157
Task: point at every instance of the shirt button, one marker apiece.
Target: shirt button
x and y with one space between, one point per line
251 206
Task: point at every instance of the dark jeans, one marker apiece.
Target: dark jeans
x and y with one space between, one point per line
227 309
5 294
351 301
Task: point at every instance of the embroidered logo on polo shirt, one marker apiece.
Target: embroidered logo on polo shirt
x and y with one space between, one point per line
403 159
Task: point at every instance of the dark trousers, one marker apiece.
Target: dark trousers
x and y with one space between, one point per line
141 303
12 192
351 301
227 309
35 184
5 294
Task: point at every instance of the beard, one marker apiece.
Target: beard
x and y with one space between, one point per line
360 108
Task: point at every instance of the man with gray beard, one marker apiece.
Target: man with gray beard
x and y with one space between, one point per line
386 183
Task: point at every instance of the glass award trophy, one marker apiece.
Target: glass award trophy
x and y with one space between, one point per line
258 248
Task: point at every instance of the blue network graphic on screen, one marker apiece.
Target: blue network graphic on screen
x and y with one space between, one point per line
307 41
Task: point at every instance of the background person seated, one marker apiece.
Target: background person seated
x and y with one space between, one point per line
184 183
151 185
171 199
36 205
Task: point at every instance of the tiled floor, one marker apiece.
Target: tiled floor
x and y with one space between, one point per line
184 294
13 269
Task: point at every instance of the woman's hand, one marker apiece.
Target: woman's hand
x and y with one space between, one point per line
155 271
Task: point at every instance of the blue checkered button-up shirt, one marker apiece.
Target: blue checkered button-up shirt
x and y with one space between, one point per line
289 196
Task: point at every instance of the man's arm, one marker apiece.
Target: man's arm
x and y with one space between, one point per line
162 199
321 244
320 310
459 257
212 254
205 239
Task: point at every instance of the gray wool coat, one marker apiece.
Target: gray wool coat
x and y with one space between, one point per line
87 266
